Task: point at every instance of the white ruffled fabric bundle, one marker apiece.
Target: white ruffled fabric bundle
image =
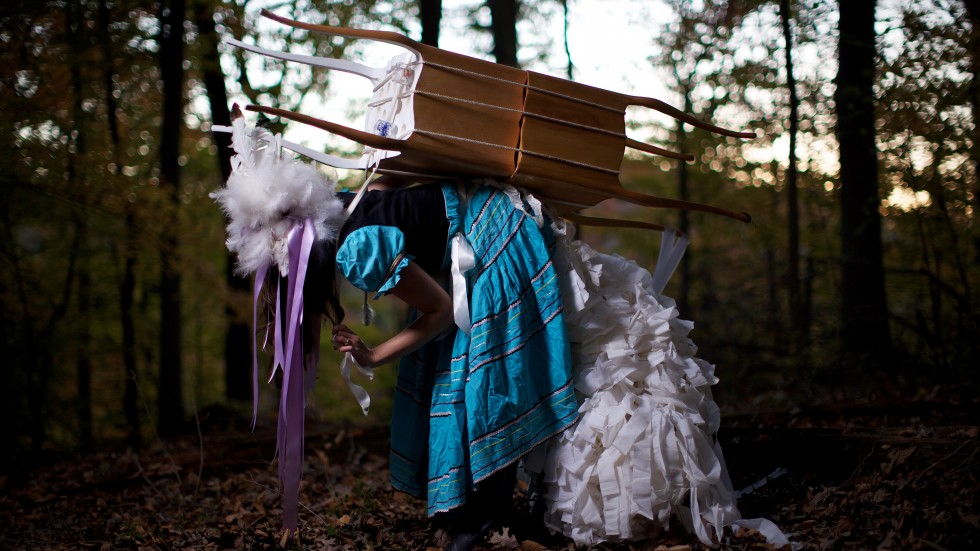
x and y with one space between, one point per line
644 450
267 195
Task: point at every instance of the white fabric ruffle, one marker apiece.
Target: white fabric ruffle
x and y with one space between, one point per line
644 450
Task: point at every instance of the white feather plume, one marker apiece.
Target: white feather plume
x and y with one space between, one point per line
266 196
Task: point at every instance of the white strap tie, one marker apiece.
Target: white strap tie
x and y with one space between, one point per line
463 261
362 396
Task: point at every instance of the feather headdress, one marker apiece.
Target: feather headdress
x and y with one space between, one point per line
267 195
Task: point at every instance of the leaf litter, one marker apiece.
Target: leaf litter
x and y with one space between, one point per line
847 482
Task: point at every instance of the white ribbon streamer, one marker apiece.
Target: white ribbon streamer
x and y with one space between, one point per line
463 261
672 247
361 395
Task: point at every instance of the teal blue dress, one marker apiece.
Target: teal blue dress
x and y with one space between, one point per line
468 405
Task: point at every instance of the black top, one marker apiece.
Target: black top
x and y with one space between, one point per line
419 212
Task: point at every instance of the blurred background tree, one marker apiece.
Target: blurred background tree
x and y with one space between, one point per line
119 311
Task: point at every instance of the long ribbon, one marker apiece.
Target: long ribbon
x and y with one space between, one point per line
287 356
299 243
278 356
292 399
298 372
361 395
672 247
463 260
256 291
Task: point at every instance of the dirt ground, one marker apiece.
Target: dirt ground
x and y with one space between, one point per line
892 475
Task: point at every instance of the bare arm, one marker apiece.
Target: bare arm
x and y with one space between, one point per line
417 289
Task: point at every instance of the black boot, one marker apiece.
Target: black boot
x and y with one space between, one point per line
486 507
465 537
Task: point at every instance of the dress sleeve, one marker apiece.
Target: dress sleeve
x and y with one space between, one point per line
372 257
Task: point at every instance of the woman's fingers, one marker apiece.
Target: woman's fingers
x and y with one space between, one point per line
343 338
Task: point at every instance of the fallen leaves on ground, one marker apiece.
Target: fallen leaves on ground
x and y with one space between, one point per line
853 481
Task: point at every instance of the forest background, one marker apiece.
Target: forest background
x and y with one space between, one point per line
856 282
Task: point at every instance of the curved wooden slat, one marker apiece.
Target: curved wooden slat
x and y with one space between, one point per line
611 222
381 36
645 200
657 105
640 146
575 196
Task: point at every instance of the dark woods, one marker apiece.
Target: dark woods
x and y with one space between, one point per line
120 317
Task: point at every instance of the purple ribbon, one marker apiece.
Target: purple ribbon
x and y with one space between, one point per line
292 401
256 290
277 358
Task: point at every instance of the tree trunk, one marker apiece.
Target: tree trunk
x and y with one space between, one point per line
127 288
214 82
792 201
430 12
127 295
83 362
864 314
773 323
569 66
683 193
76 187
973 11
238 380
170 397
503 15
12 414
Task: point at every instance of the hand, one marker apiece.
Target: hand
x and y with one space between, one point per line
346 340
418 290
